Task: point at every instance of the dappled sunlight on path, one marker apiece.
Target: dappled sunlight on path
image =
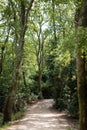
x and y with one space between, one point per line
41 116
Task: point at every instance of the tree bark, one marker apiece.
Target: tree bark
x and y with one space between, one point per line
82 90
11 96
18 52
40 83
24 79
54 23
40 58
81 69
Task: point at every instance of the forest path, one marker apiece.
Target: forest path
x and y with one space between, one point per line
41 116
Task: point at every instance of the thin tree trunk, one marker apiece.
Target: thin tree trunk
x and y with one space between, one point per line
54 24
40 83
53 47
24 79
40 56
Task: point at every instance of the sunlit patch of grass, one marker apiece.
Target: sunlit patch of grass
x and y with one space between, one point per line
4 126
18 115
70 128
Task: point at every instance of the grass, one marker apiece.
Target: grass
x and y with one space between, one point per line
4 126
16 116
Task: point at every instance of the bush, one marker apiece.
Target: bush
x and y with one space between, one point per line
33 97
60 104
72 106
18 115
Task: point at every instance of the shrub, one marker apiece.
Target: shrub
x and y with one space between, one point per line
72 106
60 104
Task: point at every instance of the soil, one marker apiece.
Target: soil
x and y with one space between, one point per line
42 116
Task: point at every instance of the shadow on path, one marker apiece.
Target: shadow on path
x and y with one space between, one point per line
41 116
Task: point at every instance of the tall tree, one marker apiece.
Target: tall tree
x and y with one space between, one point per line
20 25
81 24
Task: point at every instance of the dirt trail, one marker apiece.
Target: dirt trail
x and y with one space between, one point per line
41 116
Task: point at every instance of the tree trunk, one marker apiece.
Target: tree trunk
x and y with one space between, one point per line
40 57
40 83
11 96
82 90
18 53
54 23
81 69
24 79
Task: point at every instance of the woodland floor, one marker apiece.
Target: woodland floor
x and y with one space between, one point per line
41 116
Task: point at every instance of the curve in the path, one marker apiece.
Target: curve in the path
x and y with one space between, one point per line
40 116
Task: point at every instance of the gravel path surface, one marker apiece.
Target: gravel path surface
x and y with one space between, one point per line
41 116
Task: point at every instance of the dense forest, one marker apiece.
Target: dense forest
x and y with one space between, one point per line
43 54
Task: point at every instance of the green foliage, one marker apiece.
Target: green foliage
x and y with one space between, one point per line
20 103
18 115
58 68
60 104
4 126
33 97
72 106
68 99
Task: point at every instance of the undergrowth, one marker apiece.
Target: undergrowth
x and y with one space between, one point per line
16 116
